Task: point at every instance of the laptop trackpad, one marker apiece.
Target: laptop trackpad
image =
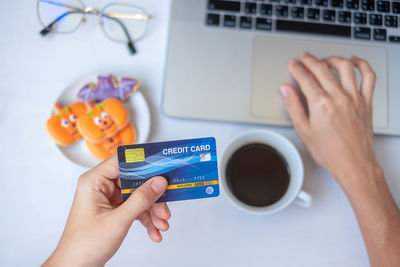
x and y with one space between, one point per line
270 58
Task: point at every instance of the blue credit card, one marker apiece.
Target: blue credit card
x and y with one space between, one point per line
190 167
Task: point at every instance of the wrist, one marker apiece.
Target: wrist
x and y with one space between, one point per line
365 178
70 257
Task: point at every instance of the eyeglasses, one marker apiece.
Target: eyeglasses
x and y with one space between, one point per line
120 22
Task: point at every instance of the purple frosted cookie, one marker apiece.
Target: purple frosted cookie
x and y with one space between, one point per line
109 87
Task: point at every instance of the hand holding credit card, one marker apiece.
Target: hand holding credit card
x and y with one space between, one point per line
190 166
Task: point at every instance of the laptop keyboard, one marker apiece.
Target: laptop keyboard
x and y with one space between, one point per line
369 20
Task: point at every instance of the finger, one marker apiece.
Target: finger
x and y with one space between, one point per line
321 72
308 84
141 199
152 231
161 210
368 79
108 168
295 108
106 187
347 75
159 223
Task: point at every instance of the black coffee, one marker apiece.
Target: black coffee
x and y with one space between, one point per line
257 174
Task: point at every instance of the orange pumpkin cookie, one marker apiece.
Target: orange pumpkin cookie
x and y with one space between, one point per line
126 136
62 126
102 120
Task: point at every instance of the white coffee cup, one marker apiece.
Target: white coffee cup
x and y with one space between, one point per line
295 165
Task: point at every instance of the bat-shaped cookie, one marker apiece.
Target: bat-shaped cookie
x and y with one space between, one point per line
109 87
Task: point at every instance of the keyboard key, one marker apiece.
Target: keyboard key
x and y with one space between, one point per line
336 3
360 18
368 5
396 7
379 34
274 1
362 33
383 6
230 21
391 21
224 5
213 19
281 11
395 39
306 2
297 12
375 19
314 28
245 22
352 4
250 8
266 9
290 1
321 2
345 16
263 24
329 15
313 13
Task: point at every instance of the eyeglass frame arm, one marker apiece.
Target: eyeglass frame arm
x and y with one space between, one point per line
130 44
49 27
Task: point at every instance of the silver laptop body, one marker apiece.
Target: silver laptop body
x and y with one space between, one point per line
220 72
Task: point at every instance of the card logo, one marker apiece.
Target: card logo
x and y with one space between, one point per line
205 156
134 155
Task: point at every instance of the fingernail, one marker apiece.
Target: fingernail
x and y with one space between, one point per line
158 185
293 62
284 90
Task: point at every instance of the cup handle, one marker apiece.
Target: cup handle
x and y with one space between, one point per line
303 199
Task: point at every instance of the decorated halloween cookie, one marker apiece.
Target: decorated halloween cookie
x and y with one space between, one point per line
109 87
103 150
62 126
102 120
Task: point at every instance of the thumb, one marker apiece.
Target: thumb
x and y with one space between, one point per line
142 199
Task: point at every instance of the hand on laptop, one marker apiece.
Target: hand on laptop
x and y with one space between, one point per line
336 127
98 222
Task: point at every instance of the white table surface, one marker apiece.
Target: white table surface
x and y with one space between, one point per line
37 183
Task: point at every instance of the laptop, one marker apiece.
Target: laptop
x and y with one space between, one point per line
227 58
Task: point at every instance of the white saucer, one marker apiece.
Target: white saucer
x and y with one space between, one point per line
139 115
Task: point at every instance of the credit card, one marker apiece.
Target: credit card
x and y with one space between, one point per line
190 166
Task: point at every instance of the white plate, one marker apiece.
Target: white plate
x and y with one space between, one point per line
139 115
